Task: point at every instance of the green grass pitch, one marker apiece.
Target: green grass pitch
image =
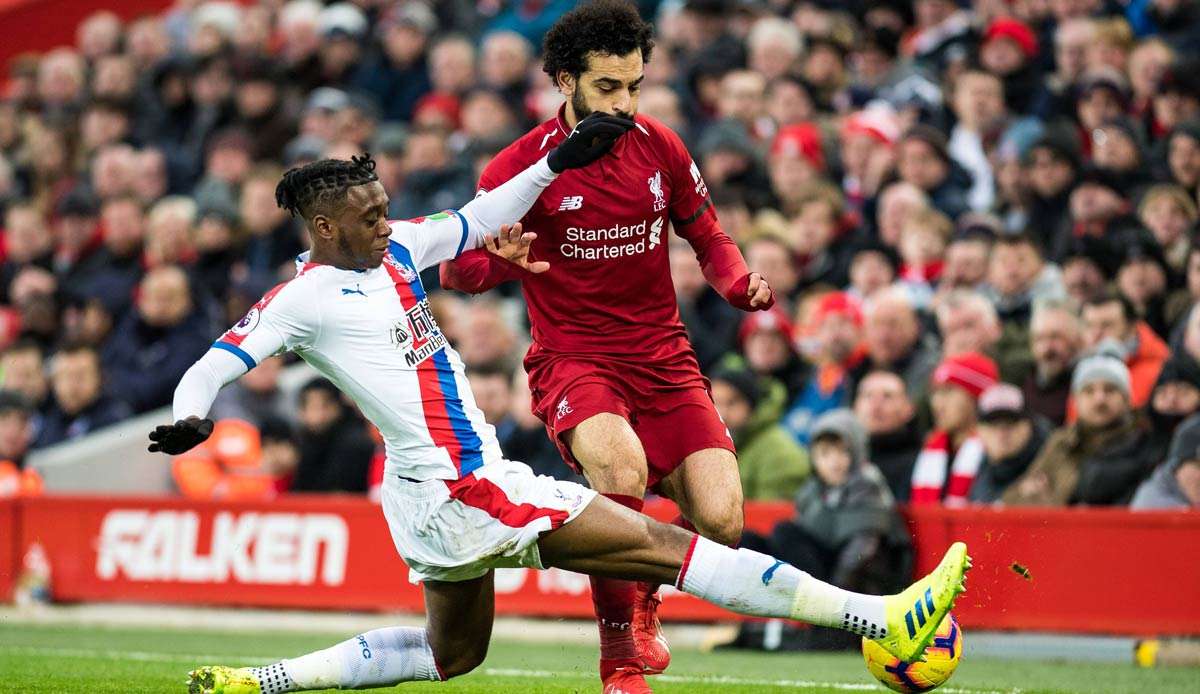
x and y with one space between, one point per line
79 660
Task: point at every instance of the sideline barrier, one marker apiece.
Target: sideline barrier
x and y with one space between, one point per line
9 542
1092 571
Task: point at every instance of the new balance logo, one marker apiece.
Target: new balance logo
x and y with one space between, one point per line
922 610
571 202
356 290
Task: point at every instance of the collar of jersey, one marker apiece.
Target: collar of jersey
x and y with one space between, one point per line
302 262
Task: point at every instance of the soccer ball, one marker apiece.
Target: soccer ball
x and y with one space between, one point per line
942 657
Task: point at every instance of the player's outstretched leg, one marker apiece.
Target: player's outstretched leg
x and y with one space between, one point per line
377 658
610 540
453 642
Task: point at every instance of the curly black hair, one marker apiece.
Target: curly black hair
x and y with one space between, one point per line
607 27
319 187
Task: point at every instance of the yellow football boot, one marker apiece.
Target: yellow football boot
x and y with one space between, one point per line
914 615
219 679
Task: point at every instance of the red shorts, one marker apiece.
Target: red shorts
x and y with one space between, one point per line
670 409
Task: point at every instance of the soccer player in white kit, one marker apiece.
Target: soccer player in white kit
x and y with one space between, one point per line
456 508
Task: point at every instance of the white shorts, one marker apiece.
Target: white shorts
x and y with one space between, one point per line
457 530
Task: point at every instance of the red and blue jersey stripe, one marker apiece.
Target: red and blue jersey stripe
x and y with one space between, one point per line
445 416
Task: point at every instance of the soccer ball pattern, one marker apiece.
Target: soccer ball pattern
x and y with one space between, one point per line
942 658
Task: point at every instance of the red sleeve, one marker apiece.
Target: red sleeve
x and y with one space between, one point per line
476 271
695 220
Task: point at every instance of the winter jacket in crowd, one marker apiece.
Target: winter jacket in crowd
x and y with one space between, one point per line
1053 215
398 88
854 515
1145 362
1088 466
826 387
335 459
1180 368
712 326
772 465
58 426
1162 490
849 535
144 363
995 476
894 453
950 196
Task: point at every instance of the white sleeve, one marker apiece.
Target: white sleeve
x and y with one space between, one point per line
444 236
287 318
198 388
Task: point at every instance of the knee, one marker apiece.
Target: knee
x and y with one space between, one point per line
611 455
620 475
460 658
722 525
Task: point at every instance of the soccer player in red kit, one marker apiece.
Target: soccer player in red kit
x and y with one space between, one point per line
611 370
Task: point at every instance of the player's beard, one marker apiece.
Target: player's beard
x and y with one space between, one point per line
580 106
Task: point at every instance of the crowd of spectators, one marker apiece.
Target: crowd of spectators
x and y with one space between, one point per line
980 220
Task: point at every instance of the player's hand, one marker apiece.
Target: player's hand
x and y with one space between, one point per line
514 246
181 436
751 293
759 292
591 139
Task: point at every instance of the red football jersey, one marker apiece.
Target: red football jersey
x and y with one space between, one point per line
603 229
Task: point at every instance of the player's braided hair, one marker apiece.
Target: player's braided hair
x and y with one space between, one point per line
607 27
317 187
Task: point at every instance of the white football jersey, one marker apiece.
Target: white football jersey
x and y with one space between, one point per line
372 333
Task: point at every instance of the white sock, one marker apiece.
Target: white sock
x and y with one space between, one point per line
378 658
753 583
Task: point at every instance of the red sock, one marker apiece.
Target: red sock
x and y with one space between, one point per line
613 601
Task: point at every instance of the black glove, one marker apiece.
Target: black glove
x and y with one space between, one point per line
181 436
591 139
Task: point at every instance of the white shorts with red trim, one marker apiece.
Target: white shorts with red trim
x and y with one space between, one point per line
457 530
